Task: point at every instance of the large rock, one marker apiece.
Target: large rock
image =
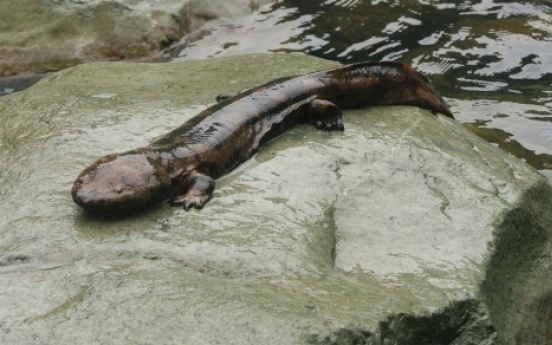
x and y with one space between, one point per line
46 35
404 229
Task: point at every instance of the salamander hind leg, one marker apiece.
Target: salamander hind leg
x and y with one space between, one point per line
325 115
200 191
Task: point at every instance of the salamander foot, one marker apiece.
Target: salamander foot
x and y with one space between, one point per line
325 115
197 196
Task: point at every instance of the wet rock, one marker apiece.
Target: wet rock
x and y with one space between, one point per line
403 229
41 36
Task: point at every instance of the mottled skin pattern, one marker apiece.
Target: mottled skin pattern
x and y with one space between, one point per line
182 165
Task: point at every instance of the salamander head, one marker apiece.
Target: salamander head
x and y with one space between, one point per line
119 183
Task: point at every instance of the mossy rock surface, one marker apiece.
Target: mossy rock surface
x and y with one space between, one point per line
403 229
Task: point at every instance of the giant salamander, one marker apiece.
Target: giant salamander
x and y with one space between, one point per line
182 165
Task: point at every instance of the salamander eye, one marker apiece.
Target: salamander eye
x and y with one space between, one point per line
119 190
84 179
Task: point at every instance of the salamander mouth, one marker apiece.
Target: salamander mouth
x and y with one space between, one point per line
96 202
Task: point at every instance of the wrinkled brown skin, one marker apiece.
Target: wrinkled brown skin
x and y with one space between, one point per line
182 165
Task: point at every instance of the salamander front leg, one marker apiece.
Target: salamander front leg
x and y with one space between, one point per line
199 192
325 115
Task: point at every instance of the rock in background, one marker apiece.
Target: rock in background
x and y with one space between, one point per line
49 35
404 229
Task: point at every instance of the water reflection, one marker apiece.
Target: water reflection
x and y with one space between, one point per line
525 130
491 60
266 32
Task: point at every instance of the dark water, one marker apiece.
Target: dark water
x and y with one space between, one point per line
492 61
19 82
